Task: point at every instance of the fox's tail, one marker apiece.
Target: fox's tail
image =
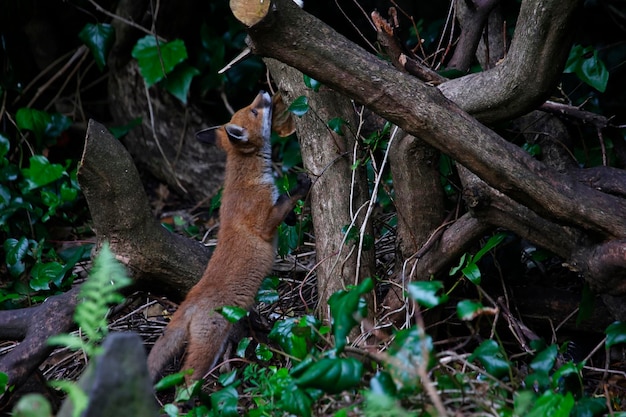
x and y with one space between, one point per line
170 344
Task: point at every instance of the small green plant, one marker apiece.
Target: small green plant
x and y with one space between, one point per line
98 292
31 198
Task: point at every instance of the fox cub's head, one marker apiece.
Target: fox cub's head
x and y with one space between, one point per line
250 128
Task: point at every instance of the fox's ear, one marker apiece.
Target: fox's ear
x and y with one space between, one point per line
208 135
282 119
236 133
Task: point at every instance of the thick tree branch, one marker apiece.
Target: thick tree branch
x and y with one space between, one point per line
528 74
33 326
472 16
121 215
300 40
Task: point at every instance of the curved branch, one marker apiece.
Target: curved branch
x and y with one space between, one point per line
34 325
528 74
422 111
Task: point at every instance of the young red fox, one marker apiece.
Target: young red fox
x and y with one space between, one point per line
250 212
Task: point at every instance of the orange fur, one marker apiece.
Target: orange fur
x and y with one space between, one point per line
250 212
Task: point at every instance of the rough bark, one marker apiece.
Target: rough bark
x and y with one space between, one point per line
335 199
33 326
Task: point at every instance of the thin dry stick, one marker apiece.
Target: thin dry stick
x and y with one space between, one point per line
158 143
370 206
82 50
122 19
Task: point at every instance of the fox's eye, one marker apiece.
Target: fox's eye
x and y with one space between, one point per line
254 111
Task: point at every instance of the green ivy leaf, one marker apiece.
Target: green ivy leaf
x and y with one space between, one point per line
296 335
44 274
552 404
425 293
32 405
41 172
332 375
490 355
232 313
34 120
157 61
296 402
472 272
312 83
348 308
467 310
382 383
568 378
268 292
585 63
299 106
179 81
58 124
172 380
589 407
99 39
15 250
336 125
4 382
493 241
615 334
410 348
242 346
263 353
544 361
225 400
229 377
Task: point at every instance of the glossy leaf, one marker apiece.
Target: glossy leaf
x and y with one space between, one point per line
15 250
472 272
233 313
615 334
491 243
172 380
332 375
336 125
296 335
268 292
299 106
296 401
589 407
158 60
490 355
382 383
99 39
312 83
347 309
468 310
410 349
568 378
263 353
44 274
426 293
179 81
34 120
552 404
41 172
544 361
225 400
586 64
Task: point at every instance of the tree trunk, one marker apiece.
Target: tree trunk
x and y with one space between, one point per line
337 199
